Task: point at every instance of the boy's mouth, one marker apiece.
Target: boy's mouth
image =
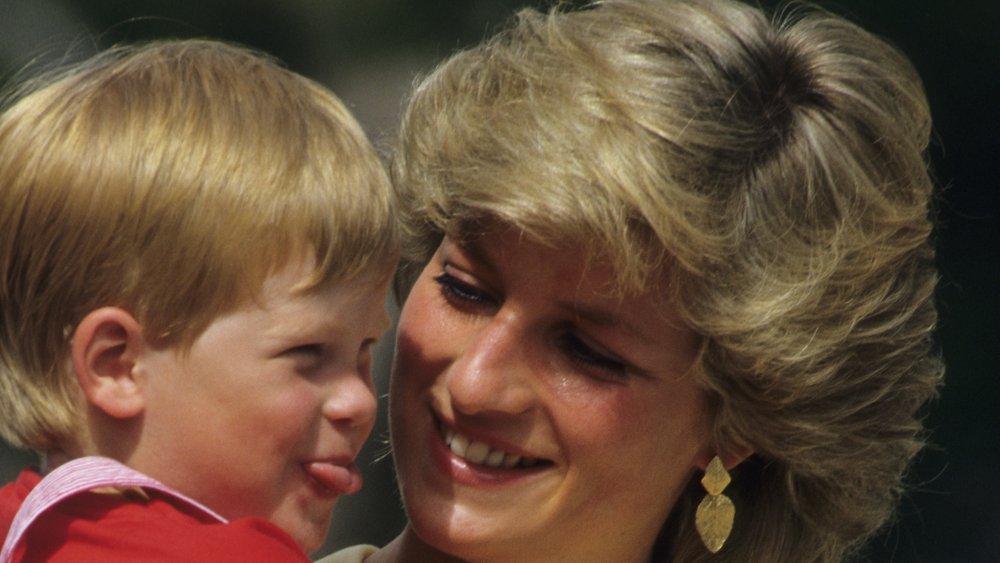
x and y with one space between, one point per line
334 478
481 453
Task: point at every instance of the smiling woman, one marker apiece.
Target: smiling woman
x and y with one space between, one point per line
519 350
663 253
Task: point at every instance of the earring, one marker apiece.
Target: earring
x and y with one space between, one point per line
714 517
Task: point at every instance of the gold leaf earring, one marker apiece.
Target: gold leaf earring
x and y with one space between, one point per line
714 517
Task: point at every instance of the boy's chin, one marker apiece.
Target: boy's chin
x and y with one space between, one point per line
309 530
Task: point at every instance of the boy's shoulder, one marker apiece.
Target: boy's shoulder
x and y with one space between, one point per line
13 494
129 524
125 527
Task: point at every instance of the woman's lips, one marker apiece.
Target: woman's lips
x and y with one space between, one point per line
480 453
335 478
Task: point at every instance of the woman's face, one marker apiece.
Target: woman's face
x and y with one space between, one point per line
535 412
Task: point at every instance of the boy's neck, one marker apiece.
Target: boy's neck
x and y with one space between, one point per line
54 458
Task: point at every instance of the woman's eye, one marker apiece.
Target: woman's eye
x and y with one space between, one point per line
581 352
457 290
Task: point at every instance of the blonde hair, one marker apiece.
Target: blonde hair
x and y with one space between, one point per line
168 179
776 167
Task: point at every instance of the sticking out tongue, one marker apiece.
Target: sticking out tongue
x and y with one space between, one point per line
338 479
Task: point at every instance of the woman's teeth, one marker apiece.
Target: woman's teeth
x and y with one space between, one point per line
481 454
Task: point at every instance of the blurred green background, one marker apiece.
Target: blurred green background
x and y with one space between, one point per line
370 52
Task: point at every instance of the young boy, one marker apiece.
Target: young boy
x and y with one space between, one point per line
196 246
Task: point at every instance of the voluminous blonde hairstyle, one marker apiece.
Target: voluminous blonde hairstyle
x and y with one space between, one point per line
168 179
776 167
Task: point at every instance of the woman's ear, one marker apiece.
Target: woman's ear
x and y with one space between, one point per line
105 346
729 459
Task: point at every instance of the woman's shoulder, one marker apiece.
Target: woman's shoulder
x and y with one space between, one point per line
353 554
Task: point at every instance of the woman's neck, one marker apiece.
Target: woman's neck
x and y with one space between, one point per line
409 547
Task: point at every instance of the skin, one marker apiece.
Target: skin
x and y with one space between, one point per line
265 413
529 351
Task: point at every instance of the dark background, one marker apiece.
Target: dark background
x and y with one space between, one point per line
370 51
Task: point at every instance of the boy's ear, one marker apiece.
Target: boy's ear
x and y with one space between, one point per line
105 346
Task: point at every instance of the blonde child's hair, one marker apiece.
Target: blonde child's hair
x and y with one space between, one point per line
775 168
167 179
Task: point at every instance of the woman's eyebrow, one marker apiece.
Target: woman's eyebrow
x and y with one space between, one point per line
472 250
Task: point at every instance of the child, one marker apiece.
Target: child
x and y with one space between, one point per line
196 246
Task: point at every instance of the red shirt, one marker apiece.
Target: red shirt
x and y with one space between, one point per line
138 527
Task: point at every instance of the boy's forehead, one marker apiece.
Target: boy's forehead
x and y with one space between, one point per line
303 271
286 303
331 307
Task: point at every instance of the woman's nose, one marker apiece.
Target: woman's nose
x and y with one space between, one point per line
493 373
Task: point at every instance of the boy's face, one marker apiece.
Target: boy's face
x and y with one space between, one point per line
267 412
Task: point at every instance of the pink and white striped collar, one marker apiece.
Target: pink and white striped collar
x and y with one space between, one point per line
82 475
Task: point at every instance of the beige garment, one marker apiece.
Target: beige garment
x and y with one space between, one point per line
353 554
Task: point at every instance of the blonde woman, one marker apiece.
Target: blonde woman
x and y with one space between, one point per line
666 253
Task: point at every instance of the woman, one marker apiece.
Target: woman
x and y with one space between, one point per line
661 240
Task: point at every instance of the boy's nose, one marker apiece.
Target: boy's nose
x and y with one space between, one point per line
352 402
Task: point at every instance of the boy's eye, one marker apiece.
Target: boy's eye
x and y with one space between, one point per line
365 357
583 353
310 350
306 356
463 293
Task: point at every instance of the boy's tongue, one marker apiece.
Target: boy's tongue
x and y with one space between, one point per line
338 479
